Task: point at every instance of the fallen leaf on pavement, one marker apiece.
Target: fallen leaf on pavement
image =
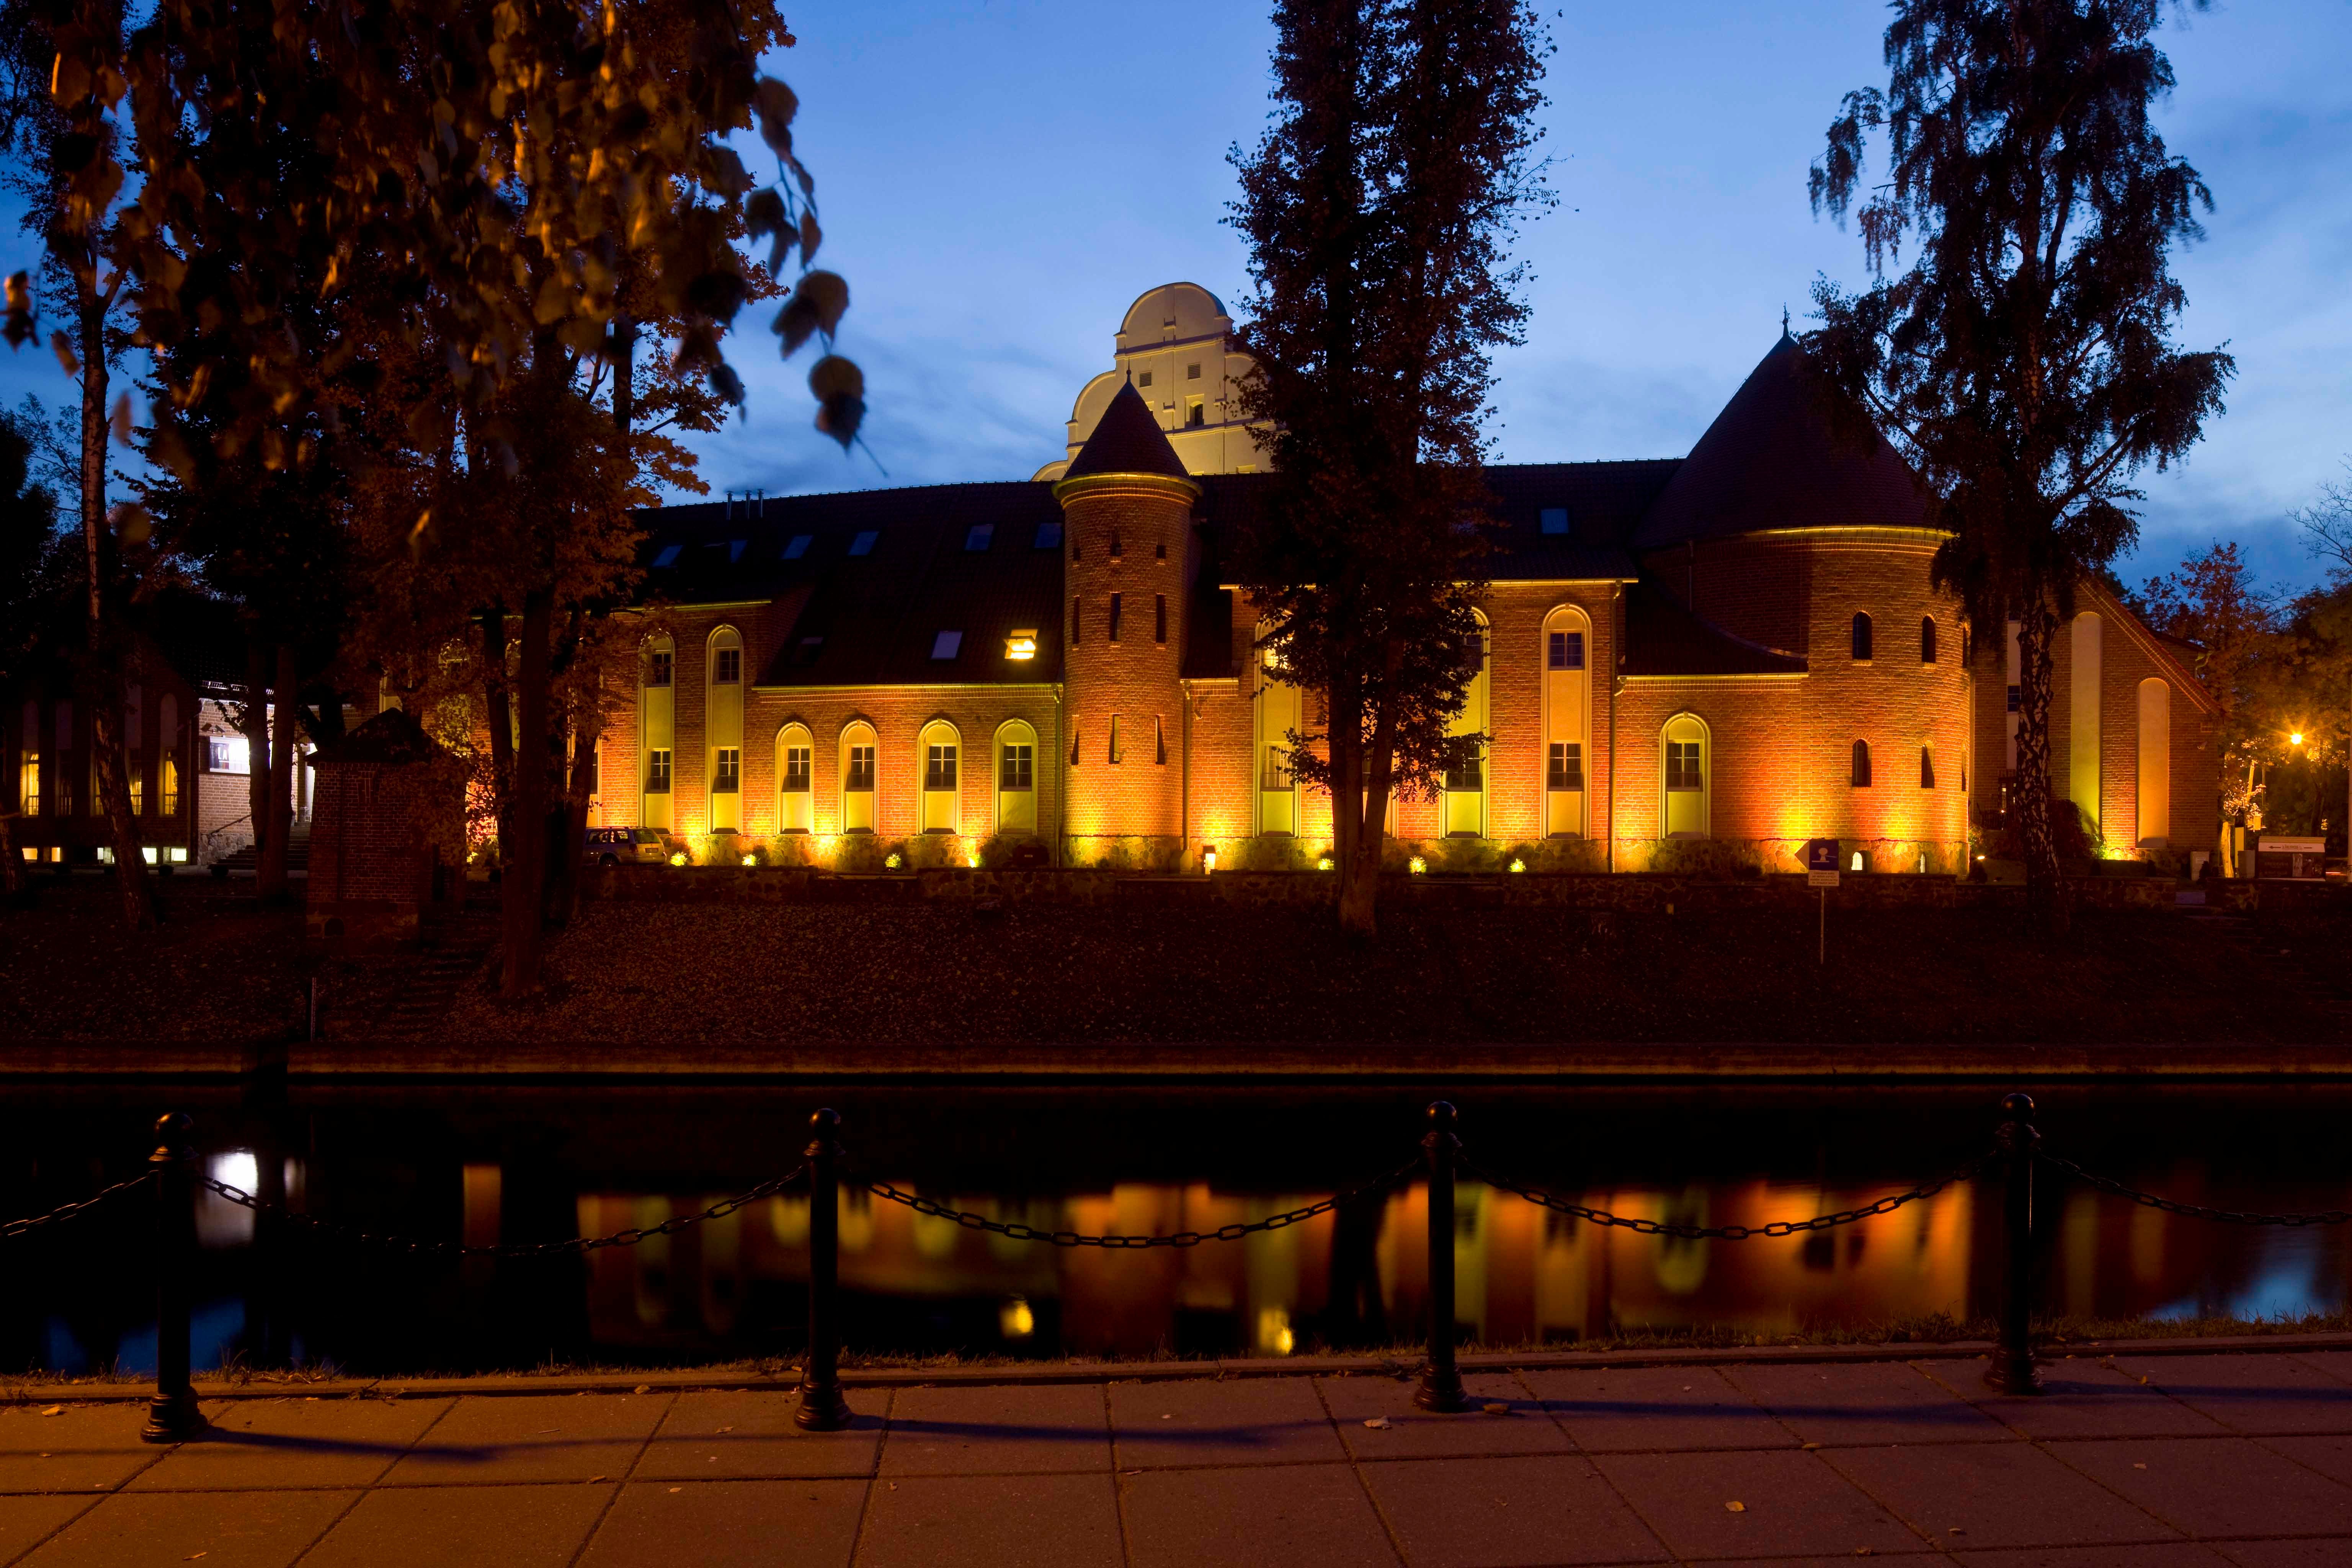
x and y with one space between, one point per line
1495 1409
1381 1423
1729 1507
59 1409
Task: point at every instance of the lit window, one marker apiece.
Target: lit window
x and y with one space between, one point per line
657 773
976 538
864 543
861 769
1158 617
28 783
940 767
138 786
1022 643
657 668
668 556
226 754
171 766
946 645
727 773
728 667
1682 765
1861 765
1554 519
1861 637
1467 774
1049 536
1564 766
1016 770
1277 769
797 770
799 545
1565 651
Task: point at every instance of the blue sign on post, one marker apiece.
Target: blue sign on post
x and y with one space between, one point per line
1822 862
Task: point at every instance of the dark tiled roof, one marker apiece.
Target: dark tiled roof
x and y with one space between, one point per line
392 737
1605 502
1127 441
1663 639
1775 459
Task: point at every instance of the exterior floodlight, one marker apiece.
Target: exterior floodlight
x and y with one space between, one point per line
677 858
1324 864
1420 866
1518 865
1208 858
891 864
2295 739
750 860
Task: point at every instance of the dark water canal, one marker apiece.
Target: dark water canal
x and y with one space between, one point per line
484 1165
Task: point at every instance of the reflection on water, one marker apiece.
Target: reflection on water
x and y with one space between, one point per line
530 1165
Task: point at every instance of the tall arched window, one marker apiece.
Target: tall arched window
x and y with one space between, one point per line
2154 762
1278 705
1567 718
937 755
1861 637
1017 778
657 731
1466 782
1686 775
722 723
1861 765
795 779
1926 640
858 777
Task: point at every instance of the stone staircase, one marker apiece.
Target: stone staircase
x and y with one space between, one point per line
455 948
298 854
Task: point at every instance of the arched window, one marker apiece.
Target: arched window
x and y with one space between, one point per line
657 731
1861 637
938 754
1686 775
1926 640
2155 763
1567 718
1861 765
795 779
1017 778
1278 710
1466 782
858 777
722 723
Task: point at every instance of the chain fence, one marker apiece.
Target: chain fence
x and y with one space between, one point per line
411 1245
16 1227
2192 1211
1234 1232
1779 1227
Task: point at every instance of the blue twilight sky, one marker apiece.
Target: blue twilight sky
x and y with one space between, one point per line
998 180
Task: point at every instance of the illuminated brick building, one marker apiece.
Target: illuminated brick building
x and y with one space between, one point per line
1691 663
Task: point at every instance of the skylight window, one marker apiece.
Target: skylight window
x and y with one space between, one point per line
1049 536
669 555
864 543
1555 519
799 546
735 550
810 648
976 537
947 645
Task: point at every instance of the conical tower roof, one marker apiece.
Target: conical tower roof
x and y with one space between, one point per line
1127 441
1774 459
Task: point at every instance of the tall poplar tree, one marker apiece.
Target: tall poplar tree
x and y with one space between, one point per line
2023 362
1377 207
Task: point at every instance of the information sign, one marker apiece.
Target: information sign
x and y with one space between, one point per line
1822 863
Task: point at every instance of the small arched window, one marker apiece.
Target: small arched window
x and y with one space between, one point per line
1861 765
1860 636
1926 640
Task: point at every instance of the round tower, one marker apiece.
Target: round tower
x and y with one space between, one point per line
1126 511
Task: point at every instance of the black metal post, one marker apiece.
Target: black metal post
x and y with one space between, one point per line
1441 1380
823 1408
172 1415
2011 1370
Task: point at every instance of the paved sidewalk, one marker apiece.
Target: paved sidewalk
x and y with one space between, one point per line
2181 1461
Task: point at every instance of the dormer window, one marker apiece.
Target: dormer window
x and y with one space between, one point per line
977 537
668 556
1049 536
947 645
735 550
1553 520
810 648
799 545
864 543
1022 645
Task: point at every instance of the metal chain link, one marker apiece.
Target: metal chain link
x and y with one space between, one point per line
1779 1227
1233 1232
2194 1211
16 1227
507 1250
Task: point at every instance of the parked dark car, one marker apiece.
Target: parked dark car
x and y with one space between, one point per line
626 847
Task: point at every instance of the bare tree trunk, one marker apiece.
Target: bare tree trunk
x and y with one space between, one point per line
102 682
270 877
1360 877
499 711
580 776
524 887
15 886
2045 893
256 723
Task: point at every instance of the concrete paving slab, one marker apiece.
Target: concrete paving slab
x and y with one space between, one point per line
2337 1363
1658 1407
1260 1516
999 1430
2331 1552
1530 1512
730 1524
232 1530
1257 1420
265 1444
1789 1504
2080 1399
82 1448
566 1438
751 1435
1879 1402
463 1527
2216 1485
24 1521
1525 1428
2176 1555
1994 1495
992 1522
2250 1393
2331 1457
